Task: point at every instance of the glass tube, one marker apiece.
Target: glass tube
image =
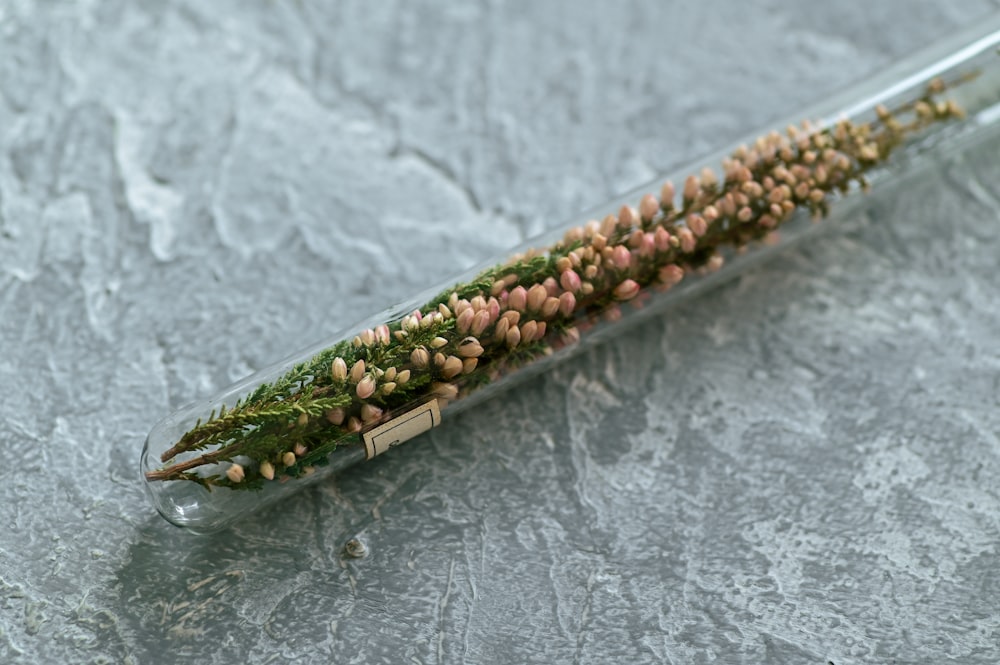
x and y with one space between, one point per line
384 380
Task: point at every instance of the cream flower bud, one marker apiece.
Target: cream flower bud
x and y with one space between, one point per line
470 348
370 413
447 391
387 388
335 416
452 367
367 337
439 342
403 377
464 320
648 207
303 419
469 364
539 330
353 425
419 357
444 311
528 331
627 290
439 359
338 369
288 459
478 303
513 337
366 387
550 307
536 296
235 473
512 317
500 332
390 374
357 371
609 225
267 470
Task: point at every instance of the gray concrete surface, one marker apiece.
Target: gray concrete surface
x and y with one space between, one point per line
799 468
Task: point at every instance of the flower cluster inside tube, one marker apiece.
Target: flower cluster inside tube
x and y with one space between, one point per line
535 303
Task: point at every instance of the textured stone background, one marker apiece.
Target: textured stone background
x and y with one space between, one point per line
799 468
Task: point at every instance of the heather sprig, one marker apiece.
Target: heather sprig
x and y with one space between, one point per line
539 301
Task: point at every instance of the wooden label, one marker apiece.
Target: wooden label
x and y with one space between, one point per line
401 428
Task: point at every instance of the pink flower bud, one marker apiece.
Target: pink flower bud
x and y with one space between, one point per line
357 371
667 194
688 242
551 286
570 281
627 217
382 334
366 387
493 307
691 188
367 337
567 304
512 317
627 290
353 426
648 207
661 238
464 320
697 225
621 257
528 331
480 322
671 275
648 246
539 330
518 299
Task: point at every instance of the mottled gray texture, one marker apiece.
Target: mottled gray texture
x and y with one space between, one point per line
799 468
